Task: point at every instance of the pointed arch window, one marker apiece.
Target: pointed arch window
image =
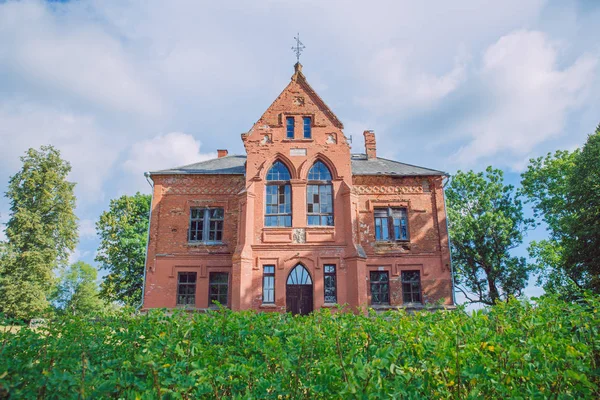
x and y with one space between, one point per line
299 276
278 199
319 196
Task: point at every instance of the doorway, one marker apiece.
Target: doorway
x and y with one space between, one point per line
299 291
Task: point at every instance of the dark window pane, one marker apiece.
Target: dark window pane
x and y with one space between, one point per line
218 287
278 197
268 284
381 228
319 172
278 172
307 127
216 213
269 269
290 127
411 286
380 291
186 288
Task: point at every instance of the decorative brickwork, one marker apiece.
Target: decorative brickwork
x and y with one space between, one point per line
240 242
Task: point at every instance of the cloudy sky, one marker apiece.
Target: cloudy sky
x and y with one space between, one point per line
122 87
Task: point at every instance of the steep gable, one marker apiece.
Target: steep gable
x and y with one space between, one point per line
298 98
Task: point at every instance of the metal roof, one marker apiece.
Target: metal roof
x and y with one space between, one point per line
228 165
235 165
382 166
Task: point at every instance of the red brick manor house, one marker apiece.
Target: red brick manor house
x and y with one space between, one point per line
298 222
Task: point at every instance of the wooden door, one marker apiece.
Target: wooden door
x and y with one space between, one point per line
299 299
299 291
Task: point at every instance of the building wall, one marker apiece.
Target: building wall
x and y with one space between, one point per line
248 245
169 250
427 247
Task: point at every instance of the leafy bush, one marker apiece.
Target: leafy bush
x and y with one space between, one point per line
513 350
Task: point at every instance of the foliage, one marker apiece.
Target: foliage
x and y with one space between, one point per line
486 221
41 231
123 231
545 186
514 350
564 189
583 248
77 292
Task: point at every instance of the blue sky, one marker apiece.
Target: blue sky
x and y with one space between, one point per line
122 87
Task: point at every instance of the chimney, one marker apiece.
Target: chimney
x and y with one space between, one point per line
370 145
221 153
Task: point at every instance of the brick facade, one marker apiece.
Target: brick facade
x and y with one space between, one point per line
247 245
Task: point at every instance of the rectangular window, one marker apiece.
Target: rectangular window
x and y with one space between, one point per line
269 284
330 284
380 287
411 287
196 225
278 205
218 287
307 127
289 127
391 224
319 205
206 225
186 289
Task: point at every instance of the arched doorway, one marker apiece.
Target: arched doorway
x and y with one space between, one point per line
299 291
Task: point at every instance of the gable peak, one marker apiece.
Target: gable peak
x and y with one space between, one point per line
298 72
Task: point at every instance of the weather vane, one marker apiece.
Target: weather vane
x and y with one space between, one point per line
298 47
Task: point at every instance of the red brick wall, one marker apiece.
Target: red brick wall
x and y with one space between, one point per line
169 250
248 245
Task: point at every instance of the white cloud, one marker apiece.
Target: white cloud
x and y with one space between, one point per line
528 97
167 151
401 85
87 229
79 137
78 255
55 54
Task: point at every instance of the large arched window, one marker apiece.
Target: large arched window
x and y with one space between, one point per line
278 200
319 196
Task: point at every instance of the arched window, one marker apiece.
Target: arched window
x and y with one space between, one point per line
278 199
299 276
319 196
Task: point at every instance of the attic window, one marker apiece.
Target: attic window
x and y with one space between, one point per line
307 127
289 127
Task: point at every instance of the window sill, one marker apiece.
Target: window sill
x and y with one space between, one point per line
403 244
329 305
382 307
297 140
197 244
215 307
268 305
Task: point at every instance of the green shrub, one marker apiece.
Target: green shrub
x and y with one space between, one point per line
513 350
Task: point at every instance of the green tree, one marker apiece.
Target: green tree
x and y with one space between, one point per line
41 231
486 222
564 189
583 244
123 231
77 292
545 185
